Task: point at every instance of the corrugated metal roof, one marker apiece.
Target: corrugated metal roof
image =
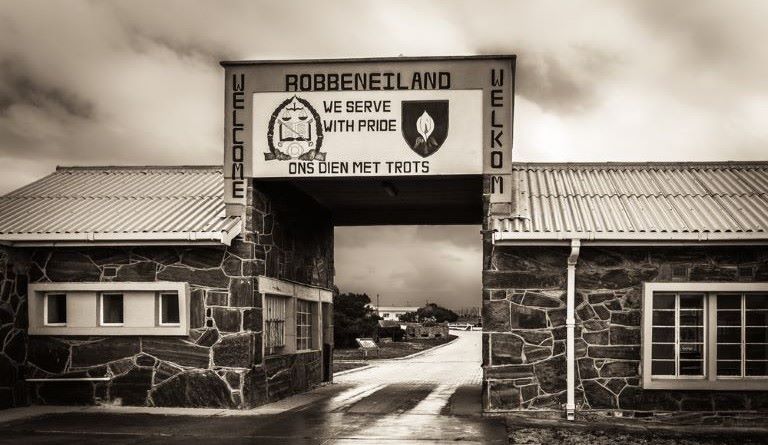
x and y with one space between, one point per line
119 204
701 201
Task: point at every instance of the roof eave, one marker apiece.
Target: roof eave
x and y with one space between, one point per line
90 238
624 238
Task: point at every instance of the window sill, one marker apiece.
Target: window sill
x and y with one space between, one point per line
108 330
753 384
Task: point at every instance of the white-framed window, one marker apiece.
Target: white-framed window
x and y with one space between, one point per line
275 312
304 325
168 309
111 309
55 309
705 336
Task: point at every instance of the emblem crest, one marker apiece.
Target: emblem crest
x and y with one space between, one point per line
424 125
295 131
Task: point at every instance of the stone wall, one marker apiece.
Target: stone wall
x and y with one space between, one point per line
220 362
13 322
524 322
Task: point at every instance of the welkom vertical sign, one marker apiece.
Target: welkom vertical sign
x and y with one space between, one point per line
413 117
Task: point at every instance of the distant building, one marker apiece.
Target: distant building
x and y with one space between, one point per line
393 312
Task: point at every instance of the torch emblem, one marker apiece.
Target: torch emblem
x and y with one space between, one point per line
424 125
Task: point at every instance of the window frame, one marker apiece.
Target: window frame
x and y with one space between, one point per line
45 309
160 296
283 301
84 312
310 339
101 309
710 381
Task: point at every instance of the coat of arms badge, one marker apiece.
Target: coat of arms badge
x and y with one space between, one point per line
295 131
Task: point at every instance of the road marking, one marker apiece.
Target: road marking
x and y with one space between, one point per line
354 395
436 400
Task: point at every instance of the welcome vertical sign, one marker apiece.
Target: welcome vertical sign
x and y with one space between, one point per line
414 117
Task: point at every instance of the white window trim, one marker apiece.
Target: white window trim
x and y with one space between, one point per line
45 309
160 308
710 380
36 301
101 308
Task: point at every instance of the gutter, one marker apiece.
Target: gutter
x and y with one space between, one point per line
91 238
570 326
499 236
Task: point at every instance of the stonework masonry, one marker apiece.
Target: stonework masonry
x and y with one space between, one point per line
524 292
220 362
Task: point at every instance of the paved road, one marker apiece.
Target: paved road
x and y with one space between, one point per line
432 398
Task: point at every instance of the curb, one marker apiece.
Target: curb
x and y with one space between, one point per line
349 371
416 354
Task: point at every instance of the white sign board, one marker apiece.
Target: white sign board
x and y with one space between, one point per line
367 133
369 117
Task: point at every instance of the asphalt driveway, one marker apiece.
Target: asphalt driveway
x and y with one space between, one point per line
431 398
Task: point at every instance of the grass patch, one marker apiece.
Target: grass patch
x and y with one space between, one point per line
393 349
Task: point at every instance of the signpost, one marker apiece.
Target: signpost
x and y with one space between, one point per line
369 118
367 345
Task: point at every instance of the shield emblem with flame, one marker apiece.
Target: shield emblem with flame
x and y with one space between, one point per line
424 124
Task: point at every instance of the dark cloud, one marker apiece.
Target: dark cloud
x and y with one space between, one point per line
18 86
564 84
411 264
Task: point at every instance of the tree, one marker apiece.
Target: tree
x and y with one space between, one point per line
352 318
431 311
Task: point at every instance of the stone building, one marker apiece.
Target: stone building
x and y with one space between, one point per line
129 285
628 288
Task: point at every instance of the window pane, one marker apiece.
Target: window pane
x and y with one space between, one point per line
691 318
169 310
691 301
729 301
663 351
57 308
663 367
729 335
729 352
691 351
112 308
757 318
756 352
663 301
729 318
691 367
663 318
757 335
728 368
756 368
695 335
663 335
757 301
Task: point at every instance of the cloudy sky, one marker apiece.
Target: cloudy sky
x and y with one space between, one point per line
138 82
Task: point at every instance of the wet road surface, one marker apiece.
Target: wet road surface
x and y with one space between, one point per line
432 398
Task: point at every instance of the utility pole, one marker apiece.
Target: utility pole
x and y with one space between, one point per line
377 305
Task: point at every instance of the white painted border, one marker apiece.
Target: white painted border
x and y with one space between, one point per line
45 308
101 308
159 302
710 382
35 298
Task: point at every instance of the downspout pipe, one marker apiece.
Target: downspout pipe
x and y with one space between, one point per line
570 326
